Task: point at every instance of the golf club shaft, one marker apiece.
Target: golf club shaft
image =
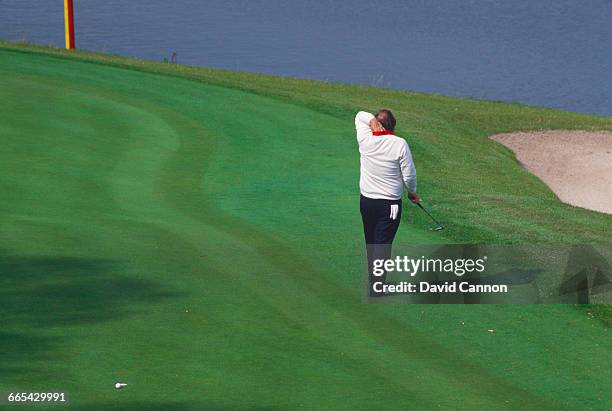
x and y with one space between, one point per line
427 212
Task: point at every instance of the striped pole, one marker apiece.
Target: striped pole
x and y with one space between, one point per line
69 24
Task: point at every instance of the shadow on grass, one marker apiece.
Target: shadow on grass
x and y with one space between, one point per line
40 295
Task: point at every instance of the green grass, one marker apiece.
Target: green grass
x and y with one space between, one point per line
195 232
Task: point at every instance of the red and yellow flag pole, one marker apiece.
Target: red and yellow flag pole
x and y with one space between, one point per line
69 24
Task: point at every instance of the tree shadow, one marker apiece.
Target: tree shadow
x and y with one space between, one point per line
41 294
21 354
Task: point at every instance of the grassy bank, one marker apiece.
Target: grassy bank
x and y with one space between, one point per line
195 232
447 134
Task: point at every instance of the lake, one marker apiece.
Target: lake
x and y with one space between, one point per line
554 53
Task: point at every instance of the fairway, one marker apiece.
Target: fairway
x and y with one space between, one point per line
196 234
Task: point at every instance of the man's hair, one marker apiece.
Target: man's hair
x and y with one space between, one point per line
388 119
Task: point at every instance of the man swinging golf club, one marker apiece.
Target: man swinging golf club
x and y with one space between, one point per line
386 167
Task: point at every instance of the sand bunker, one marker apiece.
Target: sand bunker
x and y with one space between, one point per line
576 165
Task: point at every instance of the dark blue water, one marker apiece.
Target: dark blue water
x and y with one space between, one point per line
555 53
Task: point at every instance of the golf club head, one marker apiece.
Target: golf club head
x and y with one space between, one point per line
439 226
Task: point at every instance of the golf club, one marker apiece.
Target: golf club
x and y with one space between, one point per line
439 227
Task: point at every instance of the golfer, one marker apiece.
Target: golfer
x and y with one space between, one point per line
386 167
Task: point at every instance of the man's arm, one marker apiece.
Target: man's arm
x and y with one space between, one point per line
366 122
409 173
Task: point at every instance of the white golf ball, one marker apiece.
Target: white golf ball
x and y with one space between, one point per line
119 385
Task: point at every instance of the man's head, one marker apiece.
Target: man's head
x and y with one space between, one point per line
386 118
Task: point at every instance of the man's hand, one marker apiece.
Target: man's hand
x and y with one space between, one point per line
414 197
375 125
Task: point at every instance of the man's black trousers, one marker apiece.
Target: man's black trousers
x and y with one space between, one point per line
379 230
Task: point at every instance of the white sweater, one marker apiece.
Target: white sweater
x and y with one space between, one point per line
386 162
